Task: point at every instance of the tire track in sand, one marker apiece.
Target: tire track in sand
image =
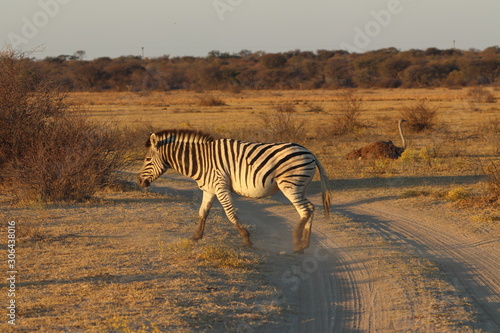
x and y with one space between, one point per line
471 263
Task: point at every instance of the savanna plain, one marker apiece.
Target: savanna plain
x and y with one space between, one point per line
403 250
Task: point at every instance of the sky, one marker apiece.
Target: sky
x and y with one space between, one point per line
114 28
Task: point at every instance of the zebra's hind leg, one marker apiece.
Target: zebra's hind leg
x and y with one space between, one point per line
302 232
306 235
298 235
206 204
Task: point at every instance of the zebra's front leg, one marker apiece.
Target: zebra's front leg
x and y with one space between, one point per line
226 200
206 204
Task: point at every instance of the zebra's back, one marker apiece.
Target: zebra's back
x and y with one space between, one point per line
258 169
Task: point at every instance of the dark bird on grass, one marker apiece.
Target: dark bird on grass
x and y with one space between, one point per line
380 149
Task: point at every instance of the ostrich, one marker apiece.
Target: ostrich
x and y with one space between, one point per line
380 149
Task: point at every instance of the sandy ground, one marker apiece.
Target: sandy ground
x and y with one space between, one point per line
378 264
415 272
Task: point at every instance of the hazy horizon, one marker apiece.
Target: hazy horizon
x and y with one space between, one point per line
179 28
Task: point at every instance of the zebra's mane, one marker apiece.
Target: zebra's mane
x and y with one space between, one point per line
182 135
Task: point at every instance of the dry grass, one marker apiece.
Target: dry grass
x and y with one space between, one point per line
116 265
453 146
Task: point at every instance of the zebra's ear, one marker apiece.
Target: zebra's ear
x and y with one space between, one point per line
153 139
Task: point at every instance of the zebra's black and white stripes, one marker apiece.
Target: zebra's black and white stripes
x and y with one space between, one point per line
250 169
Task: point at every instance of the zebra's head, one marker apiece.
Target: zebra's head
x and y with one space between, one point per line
154 163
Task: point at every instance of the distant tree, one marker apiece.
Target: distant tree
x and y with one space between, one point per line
79 55
338 71
427 75
386 67
491 51
90 76
392 67
120 75
274 60
432 51
245 53
487 71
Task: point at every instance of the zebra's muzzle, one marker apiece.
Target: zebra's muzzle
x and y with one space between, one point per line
143 182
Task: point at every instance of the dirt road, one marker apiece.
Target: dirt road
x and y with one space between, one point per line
471 263
340 286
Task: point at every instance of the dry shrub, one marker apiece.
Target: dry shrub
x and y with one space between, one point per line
492 172
47 152
348 120
420 116
211 100
480 95
282 125
71 160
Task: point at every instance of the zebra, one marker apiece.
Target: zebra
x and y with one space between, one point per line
250 169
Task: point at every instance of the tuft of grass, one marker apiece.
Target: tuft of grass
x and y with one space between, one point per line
209 254
414 194
458 194
222 256
123 324
182 246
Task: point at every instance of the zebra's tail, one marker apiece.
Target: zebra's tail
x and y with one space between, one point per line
324 189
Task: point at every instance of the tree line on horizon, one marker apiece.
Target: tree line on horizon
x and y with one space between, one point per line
383 68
